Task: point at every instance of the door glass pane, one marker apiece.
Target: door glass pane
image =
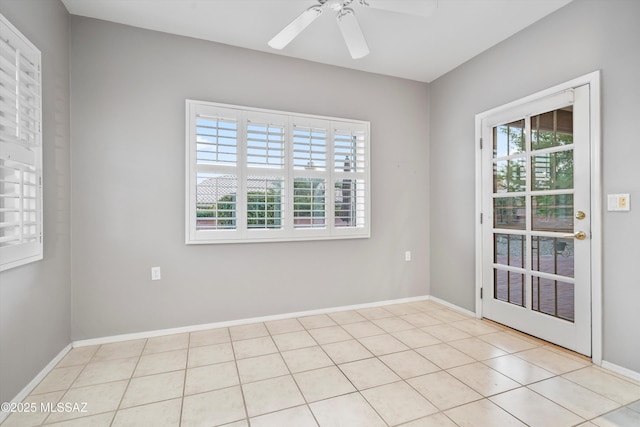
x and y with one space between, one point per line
553 297
552 171
508 286
508 139
552 255
552 213
509 175
509 250
552 129
509 212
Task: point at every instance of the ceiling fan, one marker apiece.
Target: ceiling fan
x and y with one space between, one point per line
347 21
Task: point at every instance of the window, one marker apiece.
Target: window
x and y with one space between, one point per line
262 175
20 149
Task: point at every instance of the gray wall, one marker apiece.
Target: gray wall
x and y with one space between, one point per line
128 90
35 298
582 37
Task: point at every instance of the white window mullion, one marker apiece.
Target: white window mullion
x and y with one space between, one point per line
18 112
241 197
331 191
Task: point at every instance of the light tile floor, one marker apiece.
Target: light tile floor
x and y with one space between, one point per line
413 364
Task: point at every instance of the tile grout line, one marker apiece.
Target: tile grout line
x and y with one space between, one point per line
184 382
306 402
538 345
115 413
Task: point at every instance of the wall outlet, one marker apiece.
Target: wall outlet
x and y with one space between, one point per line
407 256
155 273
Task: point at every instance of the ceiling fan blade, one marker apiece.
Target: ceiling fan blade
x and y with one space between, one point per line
296 26
352 33
409 7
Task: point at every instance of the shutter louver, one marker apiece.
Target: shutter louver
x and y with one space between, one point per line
309 209
217 141
309 148
350 184
265 202
348 151
349 202
20 149
265 145
216 199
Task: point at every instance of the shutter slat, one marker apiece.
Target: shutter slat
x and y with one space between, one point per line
9 98
8 68
10 124
9 239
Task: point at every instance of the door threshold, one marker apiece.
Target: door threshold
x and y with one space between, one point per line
551 346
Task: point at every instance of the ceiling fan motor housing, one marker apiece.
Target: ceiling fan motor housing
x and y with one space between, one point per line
336 4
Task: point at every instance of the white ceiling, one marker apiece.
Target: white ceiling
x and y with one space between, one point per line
407 46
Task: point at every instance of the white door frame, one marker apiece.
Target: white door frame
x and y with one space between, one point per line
593 80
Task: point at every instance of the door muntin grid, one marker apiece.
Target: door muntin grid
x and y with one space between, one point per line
533 210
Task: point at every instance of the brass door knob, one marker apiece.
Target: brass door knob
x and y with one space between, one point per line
580 215
580 235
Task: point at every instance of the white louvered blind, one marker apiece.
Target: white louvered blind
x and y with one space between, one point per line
265 145
21 239
309 148
216 176
263 175
349 163
265 198
217 139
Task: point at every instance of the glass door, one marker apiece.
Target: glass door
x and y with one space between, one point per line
536 266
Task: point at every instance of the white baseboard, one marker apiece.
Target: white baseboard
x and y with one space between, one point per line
620 370
34 382
452 306
229 323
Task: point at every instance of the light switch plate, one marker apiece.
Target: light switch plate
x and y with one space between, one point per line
618 202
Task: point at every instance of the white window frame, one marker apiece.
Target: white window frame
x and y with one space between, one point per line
21 217
287 229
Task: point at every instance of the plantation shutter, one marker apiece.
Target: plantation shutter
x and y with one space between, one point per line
20 149
349 177
256 175
266 183
214 173
310 175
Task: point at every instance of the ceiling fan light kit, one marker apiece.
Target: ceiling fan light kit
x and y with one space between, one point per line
347 21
